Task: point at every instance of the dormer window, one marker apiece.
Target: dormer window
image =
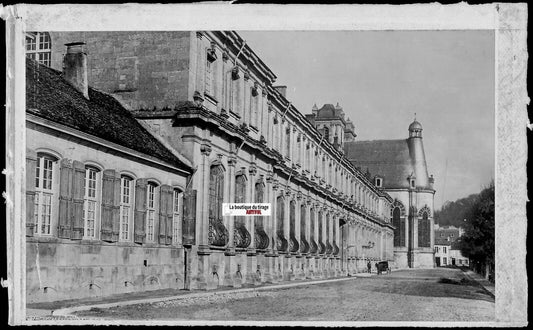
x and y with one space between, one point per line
412 183
378 182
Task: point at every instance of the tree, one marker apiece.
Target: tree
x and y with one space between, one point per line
477 242
453 213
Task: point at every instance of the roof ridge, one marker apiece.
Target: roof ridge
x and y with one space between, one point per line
379 140
102 115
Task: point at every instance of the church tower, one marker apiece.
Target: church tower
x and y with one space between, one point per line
418 157
331 123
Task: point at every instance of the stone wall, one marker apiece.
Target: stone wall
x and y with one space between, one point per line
141 69
58 269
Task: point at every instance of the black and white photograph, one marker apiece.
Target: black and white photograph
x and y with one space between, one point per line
361 172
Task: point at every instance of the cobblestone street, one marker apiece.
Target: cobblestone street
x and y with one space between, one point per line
408 295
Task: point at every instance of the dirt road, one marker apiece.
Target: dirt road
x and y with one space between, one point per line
406 295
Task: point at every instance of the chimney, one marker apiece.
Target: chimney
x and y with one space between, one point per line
75 67
282 90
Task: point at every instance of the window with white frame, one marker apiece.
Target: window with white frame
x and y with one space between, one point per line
91 205
151 211
444 249
39 47
379 182
45 194
176 215
126 207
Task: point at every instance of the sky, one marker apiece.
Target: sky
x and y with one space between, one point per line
382 78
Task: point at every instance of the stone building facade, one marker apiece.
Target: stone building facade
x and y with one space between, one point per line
210 100
399 168
103 195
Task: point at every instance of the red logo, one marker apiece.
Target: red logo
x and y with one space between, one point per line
253 211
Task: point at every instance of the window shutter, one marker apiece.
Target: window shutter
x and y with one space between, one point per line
65 197
170 215
31 163
108 196
116 208
189 217
140 210
77 200
164 207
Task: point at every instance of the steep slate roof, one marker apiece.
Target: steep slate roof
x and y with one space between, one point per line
442 241
51 97
388 159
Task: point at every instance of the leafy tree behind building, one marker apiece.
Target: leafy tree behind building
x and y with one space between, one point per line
453 213
477 242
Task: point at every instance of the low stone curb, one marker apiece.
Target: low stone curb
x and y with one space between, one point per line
69 310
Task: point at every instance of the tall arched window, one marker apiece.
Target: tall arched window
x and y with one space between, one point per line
126 207
398 221
293 243
313 247
304 248
280 208
329 248
91 205
39 47
424 228
45 193
396 224
242 236
321 246
217 231
152 208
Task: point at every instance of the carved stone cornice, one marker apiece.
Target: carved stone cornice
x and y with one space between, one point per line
232 161
225 56
253 169
205 149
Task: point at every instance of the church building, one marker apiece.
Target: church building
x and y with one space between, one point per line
399 168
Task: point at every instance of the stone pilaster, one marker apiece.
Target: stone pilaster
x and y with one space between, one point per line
251 260
231 277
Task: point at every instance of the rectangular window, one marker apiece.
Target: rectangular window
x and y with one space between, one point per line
38 47
44 58
31 44
151 212
44 195
91 205
208 78
176 216
126 208
44 41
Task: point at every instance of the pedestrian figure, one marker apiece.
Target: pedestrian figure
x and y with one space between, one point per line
377 268
369 265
